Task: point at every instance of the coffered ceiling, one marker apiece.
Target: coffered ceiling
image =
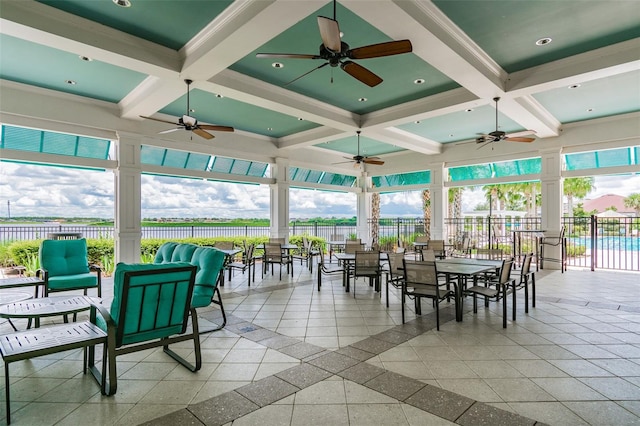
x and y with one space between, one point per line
464 54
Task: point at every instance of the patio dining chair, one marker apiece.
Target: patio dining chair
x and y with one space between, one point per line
496 289
525 276
421 280
246 263
273 254
367 265
558 242
393 270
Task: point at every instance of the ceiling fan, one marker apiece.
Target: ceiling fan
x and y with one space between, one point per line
360 159
338 53
498 135
189 123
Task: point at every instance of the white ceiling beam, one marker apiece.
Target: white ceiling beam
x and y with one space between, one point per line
406 140
256 92
596 64
38 23
311 137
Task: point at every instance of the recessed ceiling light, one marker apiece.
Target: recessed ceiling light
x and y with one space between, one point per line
362 100
85 58
300 119
468 110
589 109
418 81
341 34
543 41
71 82
451 135
277 65
574 86
269 128
192 110
218 95
417 121
122 3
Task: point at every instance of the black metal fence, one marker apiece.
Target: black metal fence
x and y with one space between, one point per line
592 242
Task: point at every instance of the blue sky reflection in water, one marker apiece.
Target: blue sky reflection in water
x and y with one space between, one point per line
61 192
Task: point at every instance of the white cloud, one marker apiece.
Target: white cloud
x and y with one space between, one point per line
63 192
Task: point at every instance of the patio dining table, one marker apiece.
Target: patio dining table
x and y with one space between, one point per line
462 269
349 259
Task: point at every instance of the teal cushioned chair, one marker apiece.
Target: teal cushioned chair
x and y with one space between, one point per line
150 308
65 266
210 263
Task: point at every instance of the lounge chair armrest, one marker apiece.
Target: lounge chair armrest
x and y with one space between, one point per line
42 273
104 312
95 267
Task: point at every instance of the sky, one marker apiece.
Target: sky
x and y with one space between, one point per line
62 192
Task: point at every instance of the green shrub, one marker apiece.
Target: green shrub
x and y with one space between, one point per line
576 250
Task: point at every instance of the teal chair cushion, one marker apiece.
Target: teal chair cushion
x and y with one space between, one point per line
73 282
209 262
64 257
165 252
143 319
183 252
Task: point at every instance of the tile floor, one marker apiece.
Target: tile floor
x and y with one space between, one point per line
293 355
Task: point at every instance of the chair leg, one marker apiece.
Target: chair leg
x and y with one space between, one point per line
504 310
526 294
402 307
533 290
437 315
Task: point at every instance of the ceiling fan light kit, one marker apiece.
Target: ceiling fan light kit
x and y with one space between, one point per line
189 123
498 135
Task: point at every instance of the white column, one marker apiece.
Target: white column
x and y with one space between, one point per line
552 204
363 208
128 231
279 206
438 201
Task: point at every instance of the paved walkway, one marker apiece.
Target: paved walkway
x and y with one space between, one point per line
292 355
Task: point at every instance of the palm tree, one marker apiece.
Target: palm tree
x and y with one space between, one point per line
633 201
375 217
426 205
455 208
577 187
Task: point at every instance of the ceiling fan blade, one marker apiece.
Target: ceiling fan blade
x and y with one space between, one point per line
162 121
216 128
361 73
202 133
344 162
381 49
371 160
287 56
330 33
170 130
484 144
522 133
519 139
306 73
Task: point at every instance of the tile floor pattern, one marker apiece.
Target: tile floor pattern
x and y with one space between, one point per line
291 355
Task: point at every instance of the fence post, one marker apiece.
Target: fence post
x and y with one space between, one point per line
489 231
594 241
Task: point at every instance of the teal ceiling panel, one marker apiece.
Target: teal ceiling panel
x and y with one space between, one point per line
508 30
168 23
462 125
209 108
34 64
333 85
368 147
613 95
480 171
